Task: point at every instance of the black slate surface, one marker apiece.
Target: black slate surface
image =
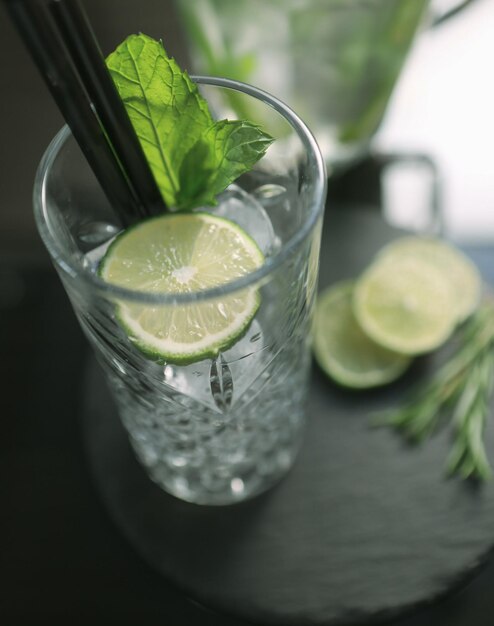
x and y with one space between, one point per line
361 529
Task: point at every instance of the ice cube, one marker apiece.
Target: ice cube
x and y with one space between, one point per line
242 208
244 361
92 258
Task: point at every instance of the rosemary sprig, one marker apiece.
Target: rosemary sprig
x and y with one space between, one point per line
460 390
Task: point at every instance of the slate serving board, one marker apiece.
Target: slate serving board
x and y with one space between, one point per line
362 529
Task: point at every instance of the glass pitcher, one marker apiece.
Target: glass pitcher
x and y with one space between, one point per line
335 62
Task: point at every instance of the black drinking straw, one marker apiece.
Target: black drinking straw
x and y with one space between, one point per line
48 49
75 29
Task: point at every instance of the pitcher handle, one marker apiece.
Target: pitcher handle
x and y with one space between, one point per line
440 18
435 216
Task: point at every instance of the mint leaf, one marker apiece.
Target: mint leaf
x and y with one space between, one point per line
163 104
192 157
226 150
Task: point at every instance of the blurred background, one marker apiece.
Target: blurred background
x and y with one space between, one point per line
442 107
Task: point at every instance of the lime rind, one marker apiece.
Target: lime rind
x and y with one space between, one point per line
183 253
342 349
456 267
404 304
167 351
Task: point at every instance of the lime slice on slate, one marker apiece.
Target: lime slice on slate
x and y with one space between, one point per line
457 269
405 304
177 254
343 350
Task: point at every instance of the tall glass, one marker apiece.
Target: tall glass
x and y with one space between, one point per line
226 428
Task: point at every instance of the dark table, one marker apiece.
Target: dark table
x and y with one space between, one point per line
61 558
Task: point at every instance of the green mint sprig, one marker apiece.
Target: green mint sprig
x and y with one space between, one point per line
192 157
460 389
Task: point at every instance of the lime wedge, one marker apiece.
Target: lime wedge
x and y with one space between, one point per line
456 268
343 350
405 304
178 254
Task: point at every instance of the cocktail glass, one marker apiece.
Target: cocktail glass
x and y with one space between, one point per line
226 428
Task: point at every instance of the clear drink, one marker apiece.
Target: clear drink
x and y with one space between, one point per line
225 428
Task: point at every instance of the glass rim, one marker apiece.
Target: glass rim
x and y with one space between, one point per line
75 269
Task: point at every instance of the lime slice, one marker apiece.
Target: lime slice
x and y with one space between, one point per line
405 304
455 267
177 254
343 350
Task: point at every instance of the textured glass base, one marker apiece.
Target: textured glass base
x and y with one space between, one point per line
223 430
221 485
231 449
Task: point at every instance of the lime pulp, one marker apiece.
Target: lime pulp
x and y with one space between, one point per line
184 253
343 350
